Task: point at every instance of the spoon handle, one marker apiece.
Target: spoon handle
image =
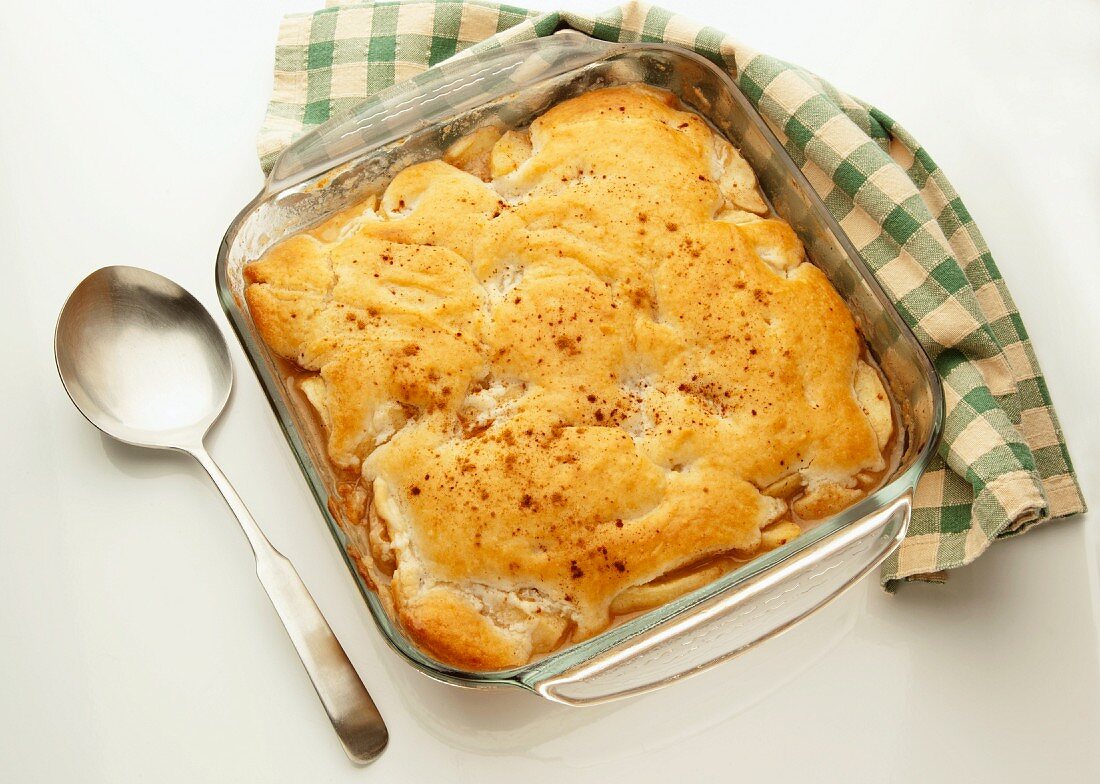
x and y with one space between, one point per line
353 714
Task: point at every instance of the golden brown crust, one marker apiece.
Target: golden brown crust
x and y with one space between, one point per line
599 367
453 631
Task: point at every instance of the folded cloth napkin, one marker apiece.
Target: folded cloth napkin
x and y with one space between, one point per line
1002 465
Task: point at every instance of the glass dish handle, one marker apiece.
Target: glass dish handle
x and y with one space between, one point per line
441 92
730 623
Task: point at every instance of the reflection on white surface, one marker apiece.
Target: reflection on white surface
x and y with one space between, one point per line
140 463
511 722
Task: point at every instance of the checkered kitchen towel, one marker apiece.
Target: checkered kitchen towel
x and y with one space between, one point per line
1002 465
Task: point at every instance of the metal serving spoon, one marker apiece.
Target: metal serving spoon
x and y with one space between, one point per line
145 363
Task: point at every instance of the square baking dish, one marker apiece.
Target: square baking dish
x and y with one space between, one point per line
342 162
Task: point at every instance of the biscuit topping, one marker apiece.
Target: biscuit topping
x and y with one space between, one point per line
570 371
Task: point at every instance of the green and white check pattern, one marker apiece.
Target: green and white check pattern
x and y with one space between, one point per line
1002 465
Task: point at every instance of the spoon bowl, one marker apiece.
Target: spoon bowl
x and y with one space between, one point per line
141 358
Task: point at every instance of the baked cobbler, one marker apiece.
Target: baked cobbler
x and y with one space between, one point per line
569 373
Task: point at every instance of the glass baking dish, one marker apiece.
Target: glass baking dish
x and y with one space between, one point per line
342 162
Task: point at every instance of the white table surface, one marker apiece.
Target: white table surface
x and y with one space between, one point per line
138 645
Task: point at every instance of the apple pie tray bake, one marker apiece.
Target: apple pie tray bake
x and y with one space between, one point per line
591 389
